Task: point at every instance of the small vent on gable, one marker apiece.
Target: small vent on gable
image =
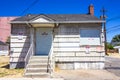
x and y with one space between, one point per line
40 20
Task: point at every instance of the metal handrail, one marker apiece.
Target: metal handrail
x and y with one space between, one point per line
29 54
49 65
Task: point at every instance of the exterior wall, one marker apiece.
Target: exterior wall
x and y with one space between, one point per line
68 52
20 42
5 28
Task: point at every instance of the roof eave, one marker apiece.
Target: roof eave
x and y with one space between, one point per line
100 21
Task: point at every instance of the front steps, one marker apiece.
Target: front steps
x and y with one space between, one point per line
37 67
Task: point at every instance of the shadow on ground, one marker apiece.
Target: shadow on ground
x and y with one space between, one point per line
5 66
115 68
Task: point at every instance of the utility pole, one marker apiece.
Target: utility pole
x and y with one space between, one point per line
104 27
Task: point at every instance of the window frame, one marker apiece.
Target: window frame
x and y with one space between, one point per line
96 37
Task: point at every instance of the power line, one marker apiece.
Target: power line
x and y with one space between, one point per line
113 27
113 30
29 7
114 18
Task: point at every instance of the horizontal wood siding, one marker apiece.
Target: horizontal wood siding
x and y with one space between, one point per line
68 51
78 54
20 42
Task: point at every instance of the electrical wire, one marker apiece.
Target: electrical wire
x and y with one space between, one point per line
113 30
113 27
23 12
114 18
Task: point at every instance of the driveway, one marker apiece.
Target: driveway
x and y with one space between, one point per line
112 65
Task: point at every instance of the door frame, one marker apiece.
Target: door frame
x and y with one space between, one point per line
35 39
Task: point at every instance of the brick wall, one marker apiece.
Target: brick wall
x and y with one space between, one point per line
5 28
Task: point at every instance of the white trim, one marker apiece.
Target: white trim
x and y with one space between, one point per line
41 20
42 16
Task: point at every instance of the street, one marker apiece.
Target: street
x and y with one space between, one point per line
113 65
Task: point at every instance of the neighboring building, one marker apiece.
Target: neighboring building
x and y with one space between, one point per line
115 43
68 41
5 28
117 47
5 31
4 48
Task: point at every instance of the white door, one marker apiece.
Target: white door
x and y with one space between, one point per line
43 41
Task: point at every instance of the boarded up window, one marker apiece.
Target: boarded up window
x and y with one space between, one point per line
89 37
20 30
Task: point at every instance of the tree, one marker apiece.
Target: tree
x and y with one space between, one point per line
109 46
116 40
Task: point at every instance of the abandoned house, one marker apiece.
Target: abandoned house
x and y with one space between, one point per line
65 41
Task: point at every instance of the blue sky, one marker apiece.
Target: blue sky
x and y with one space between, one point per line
16 8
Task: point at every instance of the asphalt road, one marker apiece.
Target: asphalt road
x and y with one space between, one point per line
113 65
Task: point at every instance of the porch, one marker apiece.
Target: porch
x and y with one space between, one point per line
39 59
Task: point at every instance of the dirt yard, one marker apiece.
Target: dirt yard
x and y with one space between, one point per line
6 72
115 55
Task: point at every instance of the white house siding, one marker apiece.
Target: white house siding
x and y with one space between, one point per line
70 54
20 42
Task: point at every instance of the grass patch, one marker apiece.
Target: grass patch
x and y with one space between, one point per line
6 72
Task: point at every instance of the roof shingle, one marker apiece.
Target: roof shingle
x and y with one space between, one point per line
61 17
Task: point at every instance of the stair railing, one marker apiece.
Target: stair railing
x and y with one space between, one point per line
29 54
50 62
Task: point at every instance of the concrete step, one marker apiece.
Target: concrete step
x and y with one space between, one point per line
37 65
37 75
39 57
31 70
38 61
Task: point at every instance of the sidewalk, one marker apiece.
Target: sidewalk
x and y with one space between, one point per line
86 75
31 79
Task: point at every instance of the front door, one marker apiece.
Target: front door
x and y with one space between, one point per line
43 41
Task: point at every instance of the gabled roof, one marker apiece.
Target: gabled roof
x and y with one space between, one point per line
59 18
